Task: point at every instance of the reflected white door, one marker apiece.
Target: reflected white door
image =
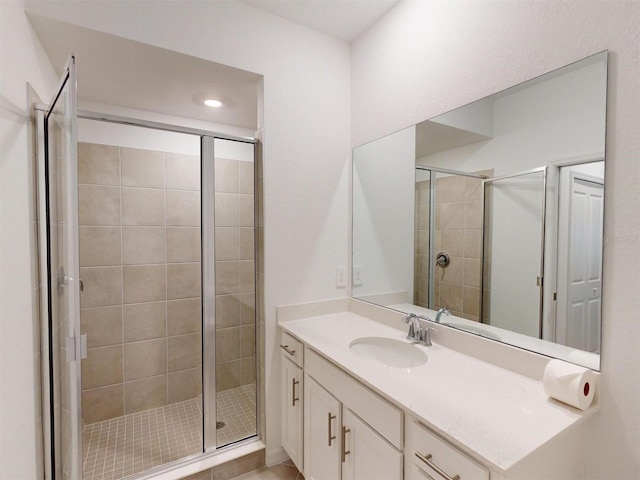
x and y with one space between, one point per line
580 277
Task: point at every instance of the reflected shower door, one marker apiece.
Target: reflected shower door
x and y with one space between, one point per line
65 342
513 252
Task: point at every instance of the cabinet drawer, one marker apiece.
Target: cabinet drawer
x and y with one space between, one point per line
382 416
292 348
440 459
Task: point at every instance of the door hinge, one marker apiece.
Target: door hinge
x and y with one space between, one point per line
539 281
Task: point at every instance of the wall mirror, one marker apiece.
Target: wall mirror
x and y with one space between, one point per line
493 211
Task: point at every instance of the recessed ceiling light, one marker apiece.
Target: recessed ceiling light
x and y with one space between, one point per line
213 103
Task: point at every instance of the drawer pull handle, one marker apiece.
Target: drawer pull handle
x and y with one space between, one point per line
286 349
329 418
345 452
427 459
293 392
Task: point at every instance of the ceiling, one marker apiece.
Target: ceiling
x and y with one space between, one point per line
116 71
344 19
433 137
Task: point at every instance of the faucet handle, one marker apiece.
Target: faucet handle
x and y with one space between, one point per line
425 336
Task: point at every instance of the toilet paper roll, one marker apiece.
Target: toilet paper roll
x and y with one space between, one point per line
568 383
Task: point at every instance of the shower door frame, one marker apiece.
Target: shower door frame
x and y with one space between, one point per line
207 159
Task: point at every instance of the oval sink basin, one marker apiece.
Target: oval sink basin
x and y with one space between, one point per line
389 352
474 330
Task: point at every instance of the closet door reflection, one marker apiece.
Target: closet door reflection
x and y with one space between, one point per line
513 252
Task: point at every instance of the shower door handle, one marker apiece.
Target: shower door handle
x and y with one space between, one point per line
72 352
83 346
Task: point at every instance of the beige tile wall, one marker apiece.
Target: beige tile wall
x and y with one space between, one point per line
235 274
459 223
139 217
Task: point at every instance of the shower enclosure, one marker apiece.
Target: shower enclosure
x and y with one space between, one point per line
448 243
150 311
466 225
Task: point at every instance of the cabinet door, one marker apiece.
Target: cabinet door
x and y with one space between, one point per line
321 433
367 455
291 410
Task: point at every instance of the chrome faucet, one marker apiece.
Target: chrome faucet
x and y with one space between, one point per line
417 334
440 312
413 321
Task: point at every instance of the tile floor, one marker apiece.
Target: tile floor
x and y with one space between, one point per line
123 446
283 471
237 409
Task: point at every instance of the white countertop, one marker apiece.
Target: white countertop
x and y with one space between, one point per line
497 415
544 347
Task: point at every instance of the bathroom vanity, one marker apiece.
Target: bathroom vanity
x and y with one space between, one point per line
359 401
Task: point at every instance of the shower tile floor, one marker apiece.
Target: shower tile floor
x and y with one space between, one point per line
131 444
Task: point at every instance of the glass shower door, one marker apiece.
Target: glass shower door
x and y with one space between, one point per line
65 342
514 209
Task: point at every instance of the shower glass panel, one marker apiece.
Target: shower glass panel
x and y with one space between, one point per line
513 252
448 241
235 292
422 239
151 260
139 234
65 342
458 244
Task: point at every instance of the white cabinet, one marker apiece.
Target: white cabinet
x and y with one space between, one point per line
322 422
429 456
292 401
367 455
350 433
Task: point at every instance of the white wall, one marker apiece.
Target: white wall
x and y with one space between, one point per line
560 118
383 214
22 60
306 135
426 58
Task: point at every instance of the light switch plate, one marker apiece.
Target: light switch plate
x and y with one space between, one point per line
357 276
341 277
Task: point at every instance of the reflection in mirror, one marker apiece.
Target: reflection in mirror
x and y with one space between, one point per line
513 252
495 212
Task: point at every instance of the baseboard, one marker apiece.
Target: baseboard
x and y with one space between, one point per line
276 456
